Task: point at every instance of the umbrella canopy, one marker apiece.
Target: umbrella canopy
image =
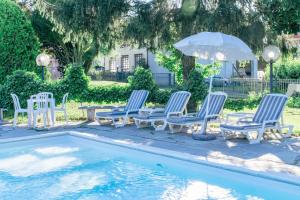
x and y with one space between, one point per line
215 46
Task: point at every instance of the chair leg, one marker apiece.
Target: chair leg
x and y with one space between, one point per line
138 123
175 130
34 120
66 116
45 119
159 127
15 118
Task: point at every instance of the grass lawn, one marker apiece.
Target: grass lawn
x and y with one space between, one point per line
291 115
106 83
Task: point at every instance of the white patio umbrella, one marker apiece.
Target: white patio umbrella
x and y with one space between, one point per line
214 46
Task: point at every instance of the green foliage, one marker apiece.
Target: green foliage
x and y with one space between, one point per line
75 81
91 26
172 62
196 85
106 94
239 104
51 41
19 45
288 68
294 101
142 79
22 83
161 96
283 16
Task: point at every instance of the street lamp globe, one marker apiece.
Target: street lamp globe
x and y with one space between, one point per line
271 54
43 60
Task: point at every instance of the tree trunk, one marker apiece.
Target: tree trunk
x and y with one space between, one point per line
89 56
188 63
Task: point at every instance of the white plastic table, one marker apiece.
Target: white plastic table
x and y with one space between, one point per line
30 110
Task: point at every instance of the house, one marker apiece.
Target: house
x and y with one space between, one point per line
125 59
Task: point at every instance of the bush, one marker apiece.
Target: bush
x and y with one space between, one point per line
75 81
196 85
239 104
19 45
294 100
142 79
22 83
288 68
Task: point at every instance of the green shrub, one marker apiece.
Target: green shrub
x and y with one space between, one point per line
75 81
142 79
19 45
239 104
294 101
162 96
288 68
107 94
196 85
22 83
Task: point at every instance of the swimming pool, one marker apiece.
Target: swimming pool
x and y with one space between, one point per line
66 166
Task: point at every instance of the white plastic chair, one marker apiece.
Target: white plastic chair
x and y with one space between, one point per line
63 107
18 108
42 102
48 94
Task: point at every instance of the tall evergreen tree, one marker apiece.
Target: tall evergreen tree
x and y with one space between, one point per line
158 24
91 26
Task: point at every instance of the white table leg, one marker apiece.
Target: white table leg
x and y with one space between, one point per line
53 112
29 112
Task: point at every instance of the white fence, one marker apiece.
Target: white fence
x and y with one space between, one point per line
241 87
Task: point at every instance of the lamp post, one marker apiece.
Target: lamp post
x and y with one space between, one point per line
271 54
43 60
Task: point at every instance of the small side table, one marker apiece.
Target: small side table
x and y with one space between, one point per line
91 110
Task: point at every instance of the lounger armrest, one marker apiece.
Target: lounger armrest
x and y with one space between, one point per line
118 108
191 114
265 123
211 116
240 116
132 111
174 114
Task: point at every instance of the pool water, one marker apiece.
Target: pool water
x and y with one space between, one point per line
68 167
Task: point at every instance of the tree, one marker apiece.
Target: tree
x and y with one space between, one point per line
282 16
19 45
91 26
157 24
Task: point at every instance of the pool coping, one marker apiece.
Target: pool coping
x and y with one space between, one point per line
279 177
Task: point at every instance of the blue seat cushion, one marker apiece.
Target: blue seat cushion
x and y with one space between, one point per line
112 114
183 120
149 117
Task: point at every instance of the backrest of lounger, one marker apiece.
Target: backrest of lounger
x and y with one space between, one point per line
270 107
137 99
177 102
216 104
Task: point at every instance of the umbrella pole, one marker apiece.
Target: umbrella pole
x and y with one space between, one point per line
203 134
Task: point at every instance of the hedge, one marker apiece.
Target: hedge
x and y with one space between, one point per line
76 83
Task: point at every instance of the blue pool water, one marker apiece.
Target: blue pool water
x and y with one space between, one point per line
67 167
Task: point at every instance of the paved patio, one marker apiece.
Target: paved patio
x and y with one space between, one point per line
273 156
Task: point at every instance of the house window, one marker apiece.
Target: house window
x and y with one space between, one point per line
138 59
125 63
112 65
